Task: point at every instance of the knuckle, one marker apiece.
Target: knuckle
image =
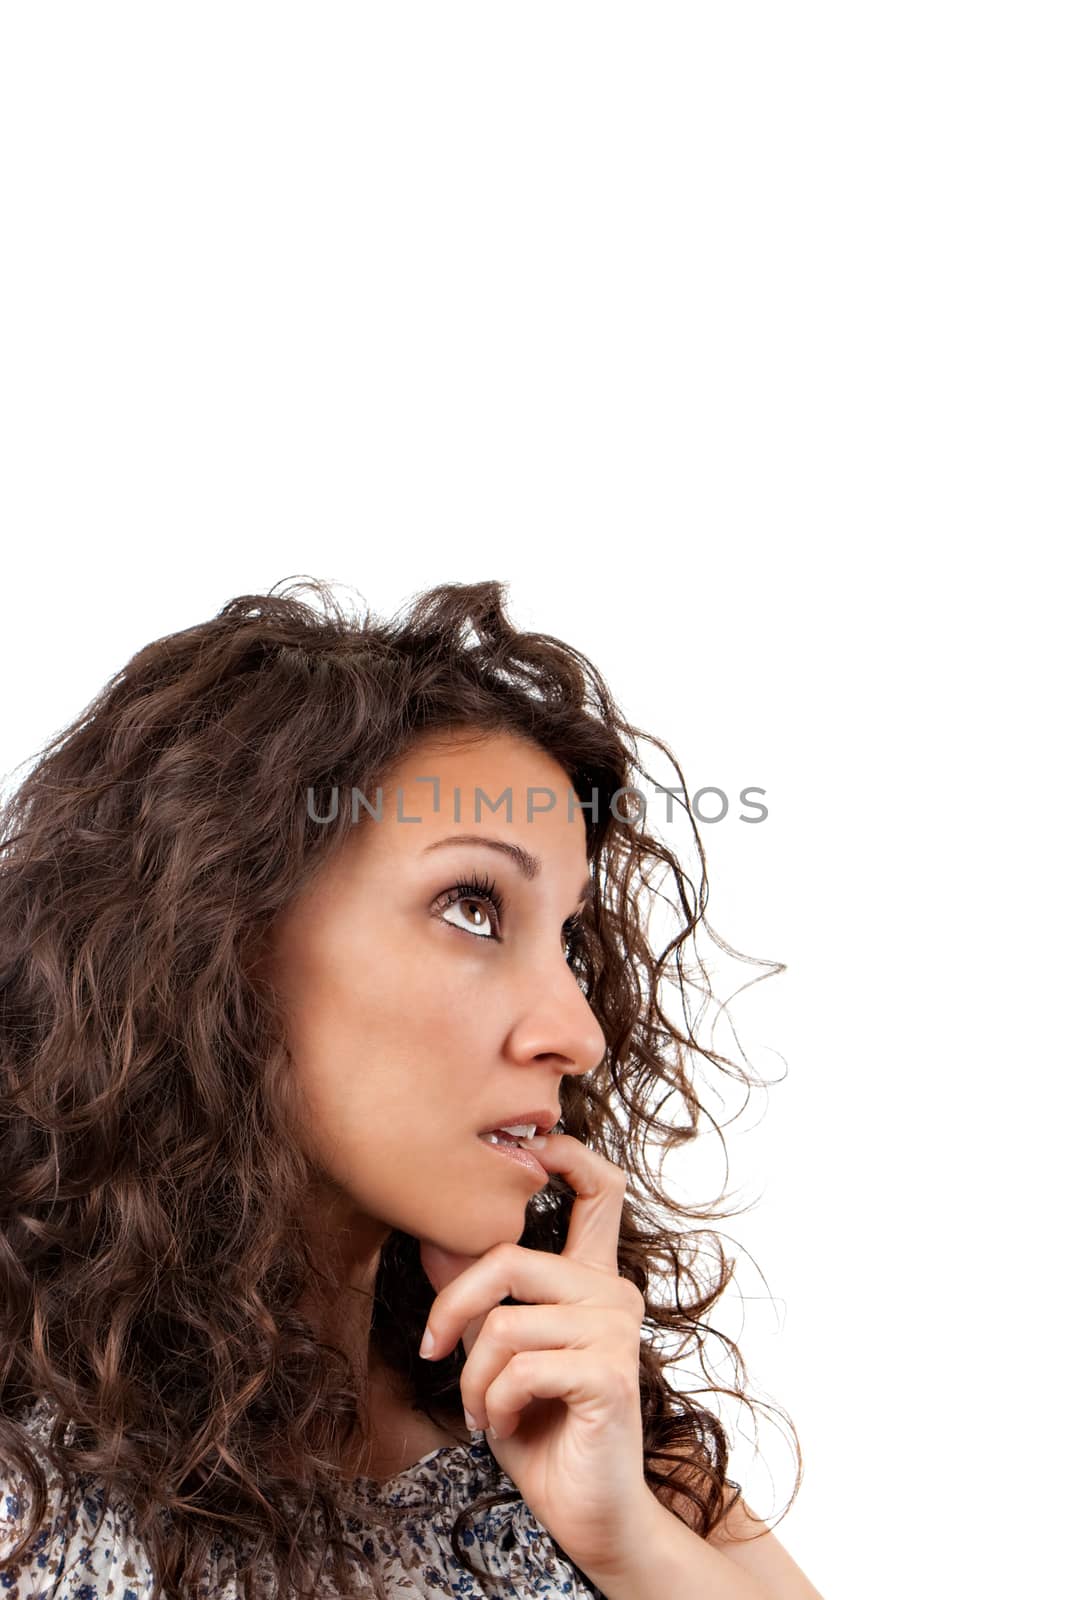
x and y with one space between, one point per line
625 1383
635 1299
631 1298
618 1175
524 1361
496 1321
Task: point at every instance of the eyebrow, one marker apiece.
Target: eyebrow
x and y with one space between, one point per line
529 865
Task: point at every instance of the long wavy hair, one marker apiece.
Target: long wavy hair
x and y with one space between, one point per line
153 1251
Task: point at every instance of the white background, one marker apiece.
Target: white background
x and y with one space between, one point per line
732 339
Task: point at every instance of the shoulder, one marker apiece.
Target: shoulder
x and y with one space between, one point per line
743 1538
78 1547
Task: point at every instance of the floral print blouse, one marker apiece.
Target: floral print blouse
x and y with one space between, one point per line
77 1555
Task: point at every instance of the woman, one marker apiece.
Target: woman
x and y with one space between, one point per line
296 921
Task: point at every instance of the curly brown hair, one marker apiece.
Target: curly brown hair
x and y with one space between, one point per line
152 1247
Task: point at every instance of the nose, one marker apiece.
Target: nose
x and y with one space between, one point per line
555 1019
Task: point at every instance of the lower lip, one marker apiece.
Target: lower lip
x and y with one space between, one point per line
515 1152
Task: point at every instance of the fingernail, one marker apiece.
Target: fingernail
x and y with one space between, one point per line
426 1347
535 1141
471 1424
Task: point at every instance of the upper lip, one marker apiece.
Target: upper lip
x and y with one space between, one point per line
543 1117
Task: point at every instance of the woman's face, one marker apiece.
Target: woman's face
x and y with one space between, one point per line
418 1017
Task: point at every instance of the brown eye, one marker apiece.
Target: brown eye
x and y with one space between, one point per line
481 892
485 929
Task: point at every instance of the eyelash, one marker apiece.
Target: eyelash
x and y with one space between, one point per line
481 887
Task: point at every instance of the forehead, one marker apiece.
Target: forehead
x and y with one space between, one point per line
471 783
468 757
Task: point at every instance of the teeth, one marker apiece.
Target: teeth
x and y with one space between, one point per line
521 1130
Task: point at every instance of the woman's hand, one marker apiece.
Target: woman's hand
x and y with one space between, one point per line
557 1377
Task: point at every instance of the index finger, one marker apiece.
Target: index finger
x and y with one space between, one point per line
600 1188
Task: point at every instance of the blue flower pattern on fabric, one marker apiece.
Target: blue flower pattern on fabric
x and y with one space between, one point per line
88 1556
